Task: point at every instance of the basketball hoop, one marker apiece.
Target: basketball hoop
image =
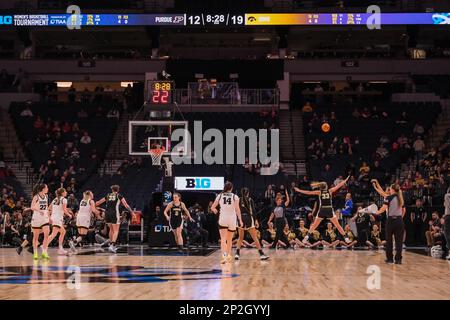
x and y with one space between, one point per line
156 155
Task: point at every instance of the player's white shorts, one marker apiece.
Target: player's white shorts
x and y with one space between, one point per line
39 220
83 221
57 220
227 221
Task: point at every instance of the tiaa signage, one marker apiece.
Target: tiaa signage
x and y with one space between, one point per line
199 183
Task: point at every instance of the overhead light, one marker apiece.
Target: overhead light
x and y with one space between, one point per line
262 39
63 84
311 82
125 84
378 82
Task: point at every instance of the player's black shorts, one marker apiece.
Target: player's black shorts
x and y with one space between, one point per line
247 220
325 212
112 217
175 221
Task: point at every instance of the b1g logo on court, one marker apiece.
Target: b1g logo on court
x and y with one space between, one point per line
6 20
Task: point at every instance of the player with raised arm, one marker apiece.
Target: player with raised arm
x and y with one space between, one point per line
112 214
325 210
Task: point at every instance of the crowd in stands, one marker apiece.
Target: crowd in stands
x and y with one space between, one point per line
20 82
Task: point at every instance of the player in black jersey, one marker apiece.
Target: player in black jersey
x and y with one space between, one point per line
112 213
175 218
247 206
325 206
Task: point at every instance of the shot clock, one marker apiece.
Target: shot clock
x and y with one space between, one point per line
160 92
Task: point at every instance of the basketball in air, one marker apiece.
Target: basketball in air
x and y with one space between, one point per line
326 127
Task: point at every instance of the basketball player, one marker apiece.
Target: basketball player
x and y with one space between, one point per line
112 214
40 222
175 218
325 209
87 207
247 206
58 209
229 209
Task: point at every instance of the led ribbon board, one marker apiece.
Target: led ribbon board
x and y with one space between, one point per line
224 20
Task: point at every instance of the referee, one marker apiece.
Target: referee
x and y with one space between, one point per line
393 205
447 221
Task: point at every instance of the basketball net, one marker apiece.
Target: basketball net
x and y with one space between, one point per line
156 155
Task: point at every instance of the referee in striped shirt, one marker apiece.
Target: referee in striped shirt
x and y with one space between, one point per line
393 205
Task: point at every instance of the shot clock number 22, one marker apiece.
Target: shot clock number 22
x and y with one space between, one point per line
161 92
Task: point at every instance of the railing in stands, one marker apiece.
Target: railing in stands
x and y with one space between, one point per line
227 96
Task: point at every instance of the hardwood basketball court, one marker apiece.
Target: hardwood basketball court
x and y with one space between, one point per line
299 275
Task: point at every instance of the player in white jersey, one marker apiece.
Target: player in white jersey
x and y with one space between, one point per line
40 222
229 209
87 207
58 209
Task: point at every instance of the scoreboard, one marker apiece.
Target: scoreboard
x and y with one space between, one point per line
220 19
160 92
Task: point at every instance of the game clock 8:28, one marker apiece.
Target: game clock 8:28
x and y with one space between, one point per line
161 92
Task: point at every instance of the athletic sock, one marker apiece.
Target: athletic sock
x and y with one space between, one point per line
261 252
238 252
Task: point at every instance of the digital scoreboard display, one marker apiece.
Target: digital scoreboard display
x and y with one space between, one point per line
221 19
160 92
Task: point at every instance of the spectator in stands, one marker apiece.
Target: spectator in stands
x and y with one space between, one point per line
26 112
82 114
4 80
38 123
356 114
364 168
419 147
307 108
113 113
434 226
71 94
418 217
418 130
347 211
85 139
196 231
269 195
327 174
403 119
18 79
72 202
382 152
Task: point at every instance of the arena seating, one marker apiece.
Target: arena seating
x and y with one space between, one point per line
368 131
39 143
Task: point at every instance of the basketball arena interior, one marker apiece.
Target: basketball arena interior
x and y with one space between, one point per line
225 150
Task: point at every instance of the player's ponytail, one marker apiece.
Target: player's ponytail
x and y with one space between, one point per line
228 187
87 195
59 193
319 185
245 193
